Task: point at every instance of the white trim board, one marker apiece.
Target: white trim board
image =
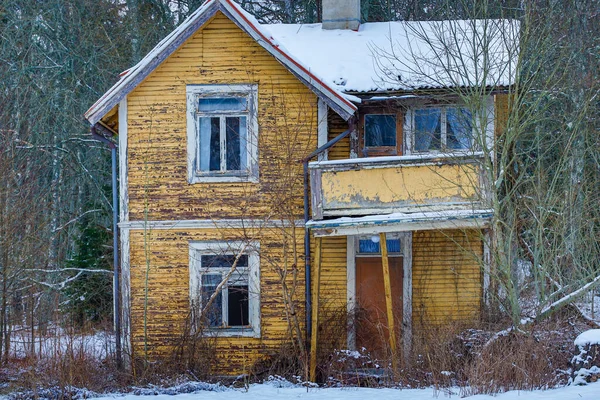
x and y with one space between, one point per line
322 131
124 233
210 224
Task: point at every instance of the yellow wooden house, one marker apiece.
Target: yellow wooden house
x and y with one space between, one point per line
277 178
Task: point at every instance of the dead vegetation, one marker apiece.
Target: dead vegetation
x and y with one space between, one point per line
476 359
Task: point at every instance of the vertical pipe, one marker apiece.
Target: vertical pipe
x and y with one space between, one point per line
307 255
315 312
116 281
388 299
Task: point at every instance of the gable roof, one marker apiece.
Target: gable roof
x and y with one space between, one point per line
334 98
335 64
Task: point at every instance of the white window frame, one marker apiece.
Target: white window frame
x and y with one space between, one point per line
409 128
198 249
194 93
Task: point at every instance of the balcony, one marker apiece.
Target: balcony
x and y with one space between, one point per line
402 184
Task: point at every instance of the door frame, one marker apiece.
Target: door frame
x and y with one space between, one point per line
351 301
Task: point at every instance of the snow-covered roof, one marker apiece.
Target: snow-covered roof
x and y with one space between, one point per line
379 57
387 56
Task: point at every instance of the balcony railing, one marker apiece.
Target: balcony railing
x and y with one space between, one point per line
379 185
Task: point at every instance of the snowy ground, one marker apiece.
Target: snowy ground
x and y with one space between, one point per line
59 342
276 392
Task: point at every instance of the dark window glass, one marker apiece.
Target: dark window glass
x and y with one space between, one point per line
459 130
238 306
232 126
224 261
428 132
367 246
380 130
214 314
215 145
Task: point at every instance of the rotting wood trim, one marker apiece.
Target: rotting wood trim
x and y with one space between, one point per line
476 222
398 161
210 224
125 280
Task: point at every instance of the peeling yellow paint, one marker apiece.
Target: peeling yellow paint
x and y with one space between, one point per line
396 186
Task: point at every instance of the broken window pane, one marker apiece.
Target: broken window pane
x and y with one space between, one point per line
237 306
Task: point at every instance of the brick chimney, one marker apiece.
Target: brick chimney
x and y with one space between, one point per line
341 14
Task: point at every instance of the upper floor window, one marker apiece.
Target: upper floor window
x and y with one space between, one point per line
224 288
381 134
222 133
440 129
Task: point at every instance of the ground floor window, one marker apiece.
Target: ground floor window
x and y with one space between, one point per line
224 287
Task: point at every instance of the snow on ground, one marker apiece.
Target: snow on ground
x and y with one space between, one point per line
590 337
277 392
100 344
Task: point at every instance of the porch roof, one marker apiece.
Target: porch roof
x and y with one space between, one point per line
396 222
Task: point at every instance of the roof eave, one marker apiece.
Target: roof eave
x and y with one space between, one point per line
334 99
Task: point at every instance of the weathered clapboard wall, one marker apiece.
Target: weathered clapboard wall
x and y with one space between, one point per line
160 259
447 276
332 294
220 53
336 125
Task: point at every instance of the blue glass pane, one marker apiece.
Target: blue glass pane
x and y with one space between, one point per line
223 104
428 133
459 131
214 313
380 130
210 146
393 245
235 131
367 246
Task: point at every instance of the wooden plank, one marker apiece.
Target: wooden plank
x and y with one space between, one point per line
388 300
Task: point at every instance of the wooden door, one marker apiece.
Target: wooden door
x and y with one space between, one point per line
371 316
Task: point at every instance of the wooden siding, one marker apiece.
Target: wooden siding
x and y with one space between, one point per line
336 125
159 263
332 299
446 276
220 53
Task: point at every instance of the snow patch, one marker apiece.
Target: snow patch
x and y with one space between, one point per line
591 337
